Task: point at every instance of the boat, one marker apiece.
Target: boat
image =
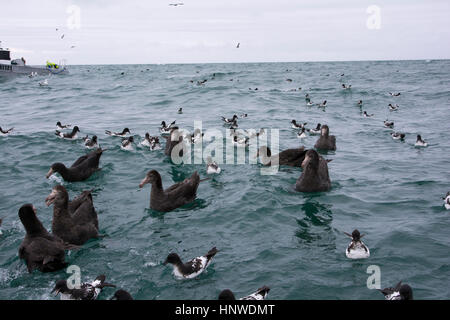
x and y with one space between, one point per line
17 67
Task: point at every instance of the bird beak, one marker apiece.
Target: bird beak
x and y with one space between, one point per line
144 182
51 198
305 161
56 291
49 173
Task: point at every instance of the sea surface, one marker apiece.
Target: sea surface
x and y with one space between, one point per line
267 233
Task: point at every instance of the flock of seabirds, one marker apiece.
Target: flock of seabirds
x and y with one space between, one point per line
75 221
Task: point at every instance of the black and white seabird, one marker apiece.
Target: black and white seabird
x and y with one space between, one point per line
40 249
315 131
180 111
356 249
420 142
127 144
165 129
400 292
81 169
118 134
302 133
388 124
398 135
323 104
211 166
259 294
325 141
360 103
447 201
240 142
393 107
175 196
71 135
314 177
192 268
295 125
366 115
60 126
74 221
86 291
394 94
230 120
344 86
91 143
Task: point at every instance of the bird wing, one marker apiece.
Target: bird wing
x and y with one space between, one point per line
79 161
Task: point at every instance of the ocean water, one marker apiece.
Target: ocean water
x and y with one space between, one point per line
267 233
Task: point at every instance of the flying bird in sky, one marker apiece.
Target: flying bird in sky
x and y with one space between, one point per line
176 4
62 37
238 45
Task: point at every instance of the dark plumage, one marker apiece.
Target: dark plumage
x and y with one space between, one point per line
121 295
314 177
289 157
325 141
120 134
81 169
40 249
59 125
172 140
75 222
173 197
400 292
90 143
7 131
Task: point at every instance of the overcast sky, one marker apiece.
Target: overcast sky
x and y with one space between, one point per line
138 31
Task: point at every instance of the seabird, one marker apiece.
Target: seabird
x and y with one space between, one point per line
366 115
314 177
173 140
301 134
212 166
74 221
43 83
394 94
87 291
60 126
356 249
81 169
147 140
40 249
393 107
400 292
230 120
127 144
192 268
388 124
91 143
165 129
360 103
420 142
238 45
72 135
240 142
346 87
260 294
196 136
323 104
296 125
180 111
447 201
5 132
121 295
118 134
315 131
325 141
154 144
175 196
397 135
289 157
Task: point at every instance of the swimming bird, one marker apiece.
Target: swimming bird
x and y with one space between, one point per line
356 249
175 196
397 135
165 129
238 45
346 86
315 176
154 144
296 125
420 142
366 115
289 80
392 107
118 134
121 295
91 143
360 103
212 166
447 201
60 126
72 135
196 136
86 291
40 249
309 103
301 134
5 132
325 141
315 131
180 111
127 144
388 124
81 169
147 140
260 294
400 292
323 104
233 125
394 94
241 142
43 83
289 157
243 115
172 141
192 268
230 120
74 221
307 98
